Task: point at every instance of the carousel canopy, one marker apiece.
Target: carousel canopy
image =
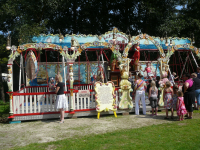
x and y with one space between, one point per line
121 38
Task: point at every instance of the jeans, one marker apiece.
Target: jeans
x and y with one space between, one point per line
197 93
140 95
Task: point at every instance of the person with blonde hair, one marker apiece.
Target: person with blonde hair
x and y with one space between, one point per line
167 95
153 97
61 101
181 110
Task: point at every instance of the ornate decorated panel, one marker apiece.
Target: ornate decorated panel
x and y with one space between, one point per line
49 70
105 97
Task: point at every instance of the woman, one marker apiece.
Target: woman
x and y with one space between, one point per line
61 101
189 94
197 90
140 87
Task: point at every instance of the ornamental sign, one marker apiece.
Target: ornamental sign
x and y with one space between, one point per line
105 97
84 93
120 38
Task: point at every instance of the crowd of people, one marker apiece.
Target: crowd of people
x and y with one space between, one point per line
174 97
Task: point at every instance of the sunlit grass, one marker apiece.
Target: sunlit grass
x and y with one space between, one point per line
177 135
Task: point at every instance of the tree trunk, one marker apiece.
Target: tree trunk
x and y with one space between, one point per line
1 86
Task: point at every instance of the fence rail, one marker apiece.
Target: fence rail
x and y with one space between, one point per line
34 100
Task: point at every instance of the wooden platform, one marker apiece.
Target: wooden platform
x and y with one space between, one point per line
77 114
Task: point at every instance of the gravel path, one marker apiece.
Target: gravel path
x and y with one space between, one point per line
50 130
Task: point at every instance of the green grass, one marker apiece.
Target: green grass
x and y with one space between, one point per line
183 135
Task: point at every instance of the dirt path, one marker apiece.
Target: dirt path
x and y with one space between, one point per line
50 130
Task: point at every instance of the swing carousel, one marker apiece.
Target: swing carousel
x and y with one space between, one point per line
117 54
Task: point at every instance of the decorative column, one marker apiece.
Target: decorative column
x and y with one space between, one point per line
11 104
125 86
71 81
10 83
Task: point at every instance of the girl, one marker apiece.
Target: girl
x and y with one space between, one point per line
153 97
167 95
61 101
148 69
174 99
181 110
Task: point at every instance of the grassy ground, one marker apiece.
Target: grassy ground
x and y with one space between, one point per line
184 135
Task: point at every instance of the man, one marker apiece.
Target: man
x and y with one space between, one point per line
197 90
198 72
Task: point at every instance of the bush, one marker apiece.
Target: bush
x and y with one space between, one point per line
4 107
1 102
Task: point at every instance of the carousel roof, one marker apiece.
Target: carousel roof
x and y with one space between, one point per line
121 38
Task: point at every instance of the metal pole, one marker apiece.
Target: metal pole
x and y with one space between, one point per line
184 67
104 68
171 76
63 68
20 72
194 59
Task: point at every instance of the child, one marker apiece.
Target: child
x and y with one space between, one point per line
148 70
174 99
167 95
52 85
181 110
153 97
173 77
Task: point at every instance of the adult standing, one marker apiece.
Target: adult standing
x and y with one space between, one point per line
198 72
140 87
61 101
197 90
189 94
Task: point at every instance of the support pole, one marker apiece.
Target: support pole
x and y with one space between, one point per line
20 71
171 76
63 68
194 59
183 67
104 68
23 77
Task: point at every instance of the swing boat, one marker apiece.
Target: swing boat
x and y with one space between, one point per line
33 101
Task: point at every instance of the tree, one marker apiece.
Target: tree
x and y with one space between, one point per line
3 60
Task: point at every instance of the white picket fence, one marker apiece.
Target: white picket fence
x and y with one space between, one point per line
37 100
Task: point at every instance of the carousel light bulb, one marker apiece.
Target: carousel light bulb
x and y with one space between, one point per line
166 43
8 47
72 48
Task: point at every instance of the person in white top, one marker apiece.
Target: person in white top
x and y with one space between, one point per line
140 87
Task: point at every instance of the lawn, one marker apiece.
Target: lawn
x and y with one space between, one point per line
184 135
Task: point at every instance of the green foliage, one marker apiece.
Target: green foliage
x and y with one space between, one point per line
4 107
